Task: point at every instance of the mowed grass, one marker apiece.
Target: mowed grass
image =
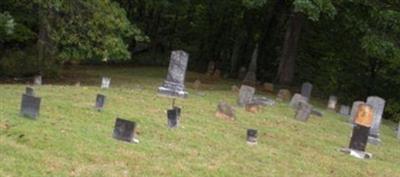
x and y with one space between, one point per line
70 138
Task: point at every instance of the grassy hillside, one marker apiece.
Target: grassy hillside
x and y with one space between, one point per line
70 138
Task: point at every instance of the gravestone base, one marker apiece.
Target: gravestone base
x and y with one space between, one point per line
251 143
374 140
356 153
171 92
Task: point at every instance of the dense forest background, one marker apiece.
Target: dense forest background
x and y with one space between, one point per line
349 48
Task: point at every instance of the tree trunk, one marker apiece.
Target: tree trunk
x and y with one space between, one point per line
289 53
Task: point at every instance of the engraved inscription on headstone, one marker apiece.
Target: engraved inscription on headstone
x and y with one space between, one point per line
173 86
251 136
37 80
296 99
378 105
306 90
105 82
332 102
354 110
125 130
246 94
30 106
29 91
100 101
303 111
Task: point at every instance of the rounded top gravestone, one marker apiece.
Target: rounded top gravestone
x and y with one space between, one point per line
306 90
378 105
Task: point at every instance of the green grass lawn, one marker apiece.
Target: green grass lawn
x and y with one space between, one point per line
70 138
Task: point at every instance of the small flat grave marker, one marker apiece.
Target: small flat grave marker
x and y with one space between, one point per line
100 101
252 136
125 130
30 106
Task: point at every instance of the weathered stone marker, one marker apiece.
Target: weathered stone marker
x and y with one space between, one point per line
246 94
263 101
105 82
303 111
100 101
296 99
173 85
225 111
332 102
29 91
125 130
344 110
354 110
378 105
30 106
306 90
251 136
173 116
37 80
359 138
283 95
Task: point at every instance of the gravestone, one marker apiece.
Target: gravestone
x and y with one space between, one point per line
30 106
296 99
173 116
125 130
306 90
344 110
378 105
252 136
242 73
269 87
354 110
197 84
251 78
173 85
224 110
246 94
303 111
29 91
283 95
263 101
37 80
359 138
105 82
332 102
100 101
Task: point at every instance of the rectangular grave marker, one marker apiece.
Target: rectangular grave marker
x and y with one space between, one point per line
173 116
306 90
37 80
125 130
303 111
378 105
332 102
100 101
30 106
296 99
105 82
251 136
344 110
246 94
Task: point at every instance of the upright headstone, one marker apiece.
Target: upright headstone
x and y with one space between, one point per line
105 82
283 95
344 110
29 91
252 136
354 110
100 101
306 90
296 99
246 94
125 130
378 105
332 102
251 78
303 111
173 116
359 138
174 86
37 80
225 111
30 106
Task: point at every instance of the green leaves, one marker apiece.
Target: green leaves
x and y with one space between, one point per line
314 8
7 24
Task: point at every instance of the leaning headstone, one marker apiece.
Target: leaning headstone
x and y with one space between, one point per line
242 73
354 110
173 85
173 116
306 90
251 136
344 110
296 99
378 105
197 84
332 102
251 78
100 101
225 111
30 106
37 80
105 82
246 94
29 91
303 111
125 130
283 95
359 138
269 87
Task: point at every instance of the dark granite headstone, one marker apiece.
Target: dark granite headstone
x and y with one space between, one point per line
359 139
303 111
29 91
30 106
251 136
378 105
173 86
173 116
100 101
306 90
125 130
